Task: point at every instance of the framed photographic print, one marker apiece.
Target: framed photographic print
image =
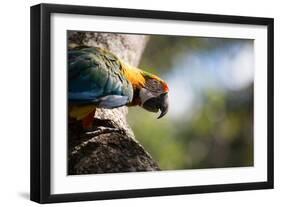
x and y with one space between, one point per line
132 103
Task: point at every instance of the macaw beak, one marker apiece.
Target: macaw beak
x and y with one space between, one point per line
164 105
157 103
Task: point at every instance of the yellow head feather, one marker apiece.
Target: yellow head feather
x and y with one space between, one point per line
138 77
134 75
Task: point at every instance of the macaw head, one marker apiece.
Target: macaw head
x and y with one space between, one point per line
154 95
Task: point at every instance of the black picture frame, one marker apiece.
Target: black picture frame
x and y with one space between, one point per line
41 95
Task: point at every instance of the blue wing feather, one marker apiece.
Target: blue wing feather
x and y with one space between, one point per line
94 76
112 101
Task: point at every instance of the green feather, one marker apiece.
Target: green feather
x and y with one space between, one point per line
94 73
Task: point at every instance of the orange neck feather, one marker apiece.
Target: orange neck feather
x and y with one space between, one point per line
134 75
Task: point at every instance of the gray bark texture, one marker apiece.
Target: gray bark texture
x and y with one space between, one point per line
111 146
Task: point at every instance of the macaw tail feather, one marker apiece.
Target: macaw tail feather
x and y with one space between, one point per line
87 121
83 113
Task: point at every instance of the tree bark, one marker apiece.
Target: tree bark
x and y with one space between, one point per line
111 146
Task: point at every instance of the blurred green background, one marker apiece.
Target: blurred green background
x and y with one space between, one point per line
210 119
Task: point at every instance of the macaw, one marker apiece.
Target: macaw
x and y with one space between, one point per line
99 79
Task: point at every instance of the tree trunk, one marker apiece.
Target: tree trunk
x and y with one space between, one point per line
111 145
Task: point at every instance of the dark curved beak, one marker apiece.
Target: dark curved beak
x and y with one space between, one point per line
163 104
157 103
